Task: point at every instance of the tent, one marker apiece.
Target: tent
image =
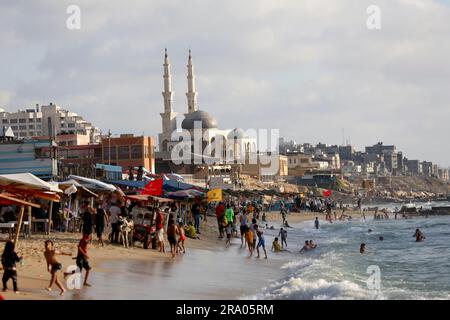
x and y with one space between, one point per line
26 181
185 194
93 184
25 185
72 186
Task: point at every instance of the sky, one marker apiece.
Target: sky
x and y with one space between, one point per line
309 68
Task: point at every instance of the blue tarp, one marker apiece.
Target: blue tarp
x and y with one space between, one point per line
168 185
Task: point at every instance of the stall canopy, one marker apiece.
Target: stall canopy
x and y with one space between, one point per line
26 182
145 197
185 194
93 184
168 185
71 186
7 199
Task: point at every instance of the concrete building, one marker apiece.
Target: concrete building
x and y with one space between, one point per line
79 159
380 148
390 161
49 121
427 168
67 139
129 151
31 155
414 167
400 165
443 174
346 152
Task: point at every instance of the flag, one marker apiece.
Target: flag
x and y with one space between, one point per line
326 193
153 188
215 195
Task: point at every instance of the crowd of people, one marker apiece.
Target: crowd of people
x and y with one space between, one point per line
176 223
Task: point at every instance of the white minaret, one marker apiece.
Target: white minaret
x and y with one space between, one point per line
191 94
169 121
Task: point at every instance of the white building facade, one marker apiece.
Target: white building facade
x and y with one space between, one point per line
48 120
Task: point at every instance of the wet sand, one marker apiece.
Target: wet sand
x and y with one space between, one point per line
208 270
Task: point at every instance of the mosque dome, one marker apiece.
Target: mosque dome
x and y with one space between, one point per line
207 121
236 133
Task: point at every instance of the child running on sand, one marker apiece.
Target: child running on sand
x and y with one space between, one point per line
53 266
83 258
181 232
9 259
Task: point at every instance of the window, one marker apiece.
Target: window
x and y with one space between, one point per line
63 125
22 127
31 120
13 121
14 127
22 120
31 127
136 152
62 143
124 152
5 121
38 126
71 125
22 134
38 119
31 134
106 153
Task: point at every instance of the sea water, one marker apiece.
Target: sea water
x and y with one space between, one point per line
395 268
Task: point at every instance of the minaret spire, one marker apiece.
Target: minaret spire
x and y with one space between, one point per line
167 93
169 121
191 94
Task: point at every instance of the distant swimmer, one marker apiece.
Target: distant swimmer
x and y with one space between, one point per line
362 248
305 247
316 223
369 231
381 238
419 235
312 245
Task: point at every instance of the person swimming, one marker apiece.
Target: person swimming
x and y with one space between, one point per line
362 248
312 245
381 238
419 235
305 246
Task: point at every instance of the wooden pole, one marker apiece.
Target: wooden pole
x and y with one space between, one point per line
50 213
16 239
29 221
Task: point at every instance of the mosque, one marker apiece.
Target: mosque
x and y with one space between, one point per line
235 144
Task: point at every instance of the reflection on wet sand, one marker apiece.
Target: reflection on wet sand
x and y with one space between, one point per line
200 274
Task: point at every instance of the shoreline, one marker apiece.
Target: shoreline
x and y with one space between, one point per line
33 277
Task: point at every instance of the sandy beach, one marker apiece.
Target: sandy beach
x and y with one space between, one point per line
166 276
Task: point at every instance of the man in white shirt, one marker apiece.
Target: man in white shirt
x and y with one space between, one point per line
114 213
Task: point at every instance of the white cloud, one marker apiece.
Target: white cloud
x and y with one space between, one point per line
307 67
